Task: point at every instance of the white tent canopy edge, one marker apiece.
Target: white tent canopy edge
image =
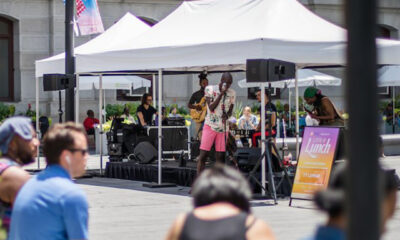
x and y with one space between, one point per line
302 38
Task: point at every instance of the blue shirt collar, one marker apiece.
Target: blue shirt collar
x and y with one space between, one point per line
58 170
329 233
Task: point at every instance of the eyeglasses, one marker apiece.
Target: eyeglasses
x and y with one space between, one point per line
83 151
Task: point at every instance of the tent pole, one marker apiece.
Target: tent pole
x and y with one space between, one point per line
37 120
160 75
103 112
393 107
290 108
263 85
154 91
77 99
101 122
296 83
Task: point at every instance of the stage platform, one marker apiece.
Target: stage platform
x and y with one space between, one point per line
172 173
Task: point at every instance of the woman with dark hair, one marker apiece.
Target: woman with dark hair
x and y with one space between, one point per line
332 201
221 209
321 108
145 111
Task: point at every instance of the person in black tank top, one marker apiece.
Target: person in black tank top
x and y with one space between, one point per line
232 228
221 198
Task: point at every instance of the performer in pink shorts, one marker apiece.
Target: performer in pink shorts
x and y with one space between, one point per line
220 101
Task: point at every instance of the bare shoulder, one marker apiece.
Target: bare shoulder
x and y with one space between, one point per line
176 228
15 173
12 179
258 229
326 100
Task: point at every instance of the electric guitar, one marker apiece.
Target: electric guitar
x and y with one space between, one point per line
199 115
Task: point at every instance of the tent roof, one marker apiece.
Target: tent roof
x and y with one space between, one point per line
220 35
389 76
307 78
113 82
128 26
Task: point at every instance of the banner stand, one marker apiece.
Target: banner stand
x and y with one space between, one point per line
319 150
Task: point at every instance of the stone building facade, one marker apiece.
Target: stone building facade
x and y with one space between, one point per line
34 29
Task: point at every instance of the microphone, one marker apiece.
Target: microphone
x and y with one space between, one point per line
224 86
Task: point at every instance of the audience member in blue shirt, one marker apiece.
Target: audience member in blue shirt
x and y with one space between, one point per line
332 201
50 205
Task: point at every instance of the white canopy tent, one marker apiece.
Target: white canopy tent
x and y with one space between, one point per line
389 76
220 35
126 82
128 26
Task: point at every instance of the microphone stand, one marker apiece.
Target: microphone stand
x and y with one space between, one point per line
225 132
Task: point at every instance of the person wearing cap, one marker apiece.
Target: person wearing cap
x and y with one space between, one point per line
50 205
321 108
195 103
18 144
333 201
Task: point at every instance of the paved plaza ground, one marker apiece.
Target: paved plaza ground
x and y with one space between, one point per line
123 209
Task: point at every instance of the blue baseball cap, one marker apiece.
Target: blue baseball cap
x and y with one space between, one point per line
16 125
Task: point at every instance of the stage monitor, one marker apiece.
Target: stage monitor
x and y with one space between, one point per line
269 70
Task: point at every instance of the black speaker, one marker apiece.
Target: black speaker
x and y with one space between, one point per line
55 82
269 70
174 139
247 158
145 152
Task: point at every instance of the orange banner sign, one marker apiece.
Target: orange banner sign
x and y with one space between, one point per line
317 153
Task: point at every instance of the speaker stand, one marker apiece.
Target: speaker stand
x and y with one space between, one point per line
60 111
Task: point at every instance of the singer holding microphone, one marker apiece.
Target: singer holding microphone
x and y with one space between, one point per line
220 101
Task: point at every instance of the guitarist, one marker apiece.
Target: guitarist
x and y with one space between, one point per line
196 98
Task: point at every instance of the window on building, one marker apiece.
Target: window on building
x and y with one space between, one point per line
383 32
6 60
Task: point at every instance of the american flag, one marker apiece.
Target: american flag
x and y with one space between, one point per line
80 7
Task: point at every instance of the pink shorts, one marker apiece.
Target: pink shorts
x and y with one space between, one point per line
209 137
